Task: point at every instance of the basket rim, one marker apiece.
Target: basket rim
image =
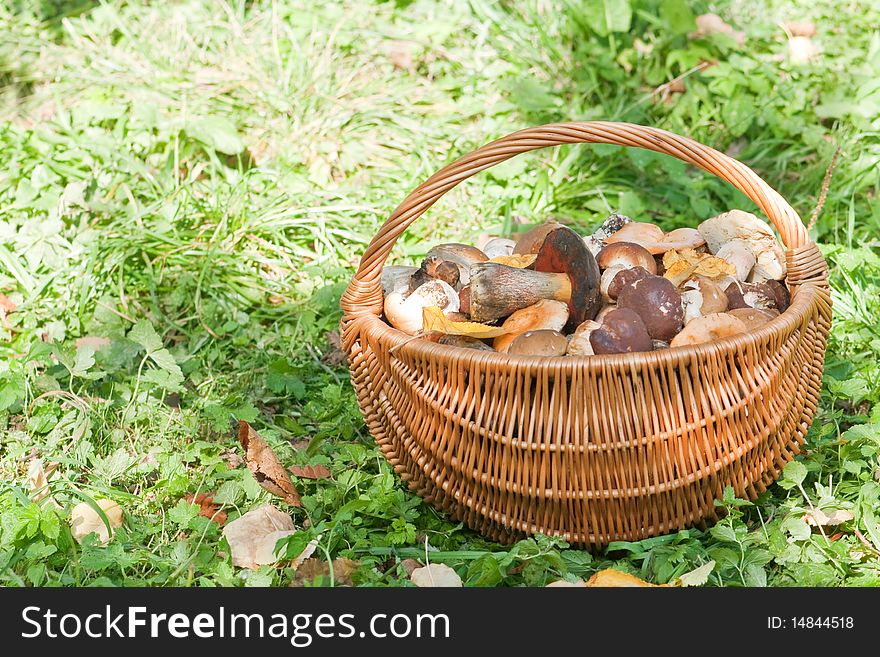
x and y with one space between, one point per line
797 314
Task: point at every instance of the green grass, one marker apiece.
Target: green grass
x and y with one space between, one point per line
217 169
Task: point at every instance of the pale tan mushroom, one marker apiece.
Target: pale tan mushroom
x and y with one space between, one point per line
543 342
739 225
405 312
702 296
708 328
740 255
545 314
753 318
579 341
655 240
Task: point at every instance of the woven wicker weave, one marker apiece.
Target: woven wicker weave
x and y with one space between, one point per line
592 448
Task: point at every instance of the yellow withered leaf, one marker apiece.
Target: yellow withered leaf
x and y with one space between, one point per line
433 319
615 578
682 264
518 260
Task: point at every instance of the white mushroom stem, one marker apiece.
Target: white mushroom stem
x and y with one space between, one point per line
740 255
405 313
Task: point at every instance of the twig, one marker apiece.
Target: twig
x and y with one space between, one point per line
825 184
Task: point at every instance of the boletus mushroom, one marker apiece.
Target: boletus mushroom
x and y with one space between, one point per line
462 255
579 341
615 279
498 246
465 342
434 267
405 312
740 255
531 240
396 277
545 314
769 295
564 270
611 225
657 302
701 296
740 225
622 331
709 328
655 240
626 255
753 318
543 342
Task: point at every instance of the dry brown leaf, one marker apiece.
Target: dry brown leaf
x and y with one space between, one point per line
311 569
96 342
409 565
615 578
818 518
310 471
708 24
38 482
683 263
518 260
337 354
253 536
6 304
435 575
265 466
433 319
84 520
207 508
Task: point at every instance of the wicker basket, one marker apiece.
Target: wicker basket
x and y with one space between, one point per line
596 448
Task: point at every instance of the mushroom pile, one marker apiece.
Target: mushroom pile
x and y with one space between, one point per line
627 287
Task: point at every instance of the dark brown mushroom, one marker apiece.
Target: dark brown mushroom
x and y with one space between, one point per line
464 299
531 240
657 302
543 342
564 251
462 255
623 331
623 279
752 295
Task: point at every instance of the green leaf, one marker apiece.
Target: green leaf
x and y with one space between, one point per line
698 576
606 16
794 472
218 133
796 527
145 335
183 512
677 16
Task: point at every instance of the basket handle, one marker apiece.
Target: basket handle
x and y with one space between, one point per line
364 293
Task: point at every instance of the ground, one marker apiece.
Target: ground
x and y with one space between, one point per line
187 188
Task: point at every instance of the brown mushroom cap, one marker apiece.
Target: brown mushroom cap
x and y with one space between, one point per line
445 270
708 328
655 240
626 255
463 255
623 279
543 342
564 251
531 240
657 302
753 318
464 299
623 331
546 314
780 293
702 296
751 295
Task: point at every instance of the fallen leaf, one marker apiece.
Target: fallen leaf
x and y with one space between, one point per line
84 520
401 56
265 466
708 24
96 342
207 508
38 482
310 471
307 552
518 260
698 576
409 565
615 578
681 264
433 319
565 584
435 575
6 304
311 569
337 354
800 28
253 536
818 518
